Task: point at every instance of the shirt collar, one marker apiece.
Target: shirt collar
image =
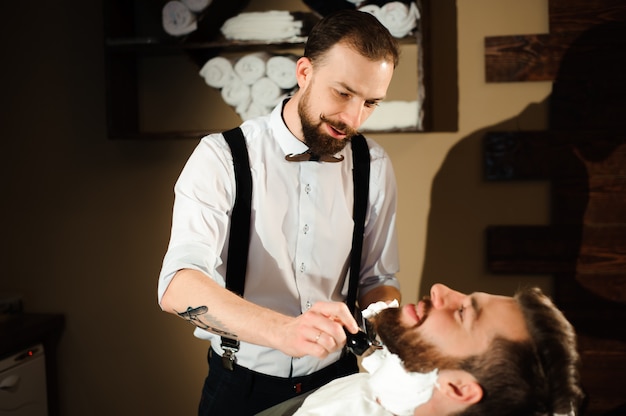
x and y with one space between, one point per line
286 140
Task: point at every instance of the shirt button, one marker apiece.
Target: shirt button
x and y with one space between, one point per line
307 188
305 228
308 305
302 268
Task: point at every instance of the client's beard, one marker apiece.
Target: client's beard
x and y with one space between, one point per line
417 354
319 142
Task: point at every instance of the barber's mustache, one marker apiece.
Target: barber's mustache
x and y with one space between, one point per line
340 126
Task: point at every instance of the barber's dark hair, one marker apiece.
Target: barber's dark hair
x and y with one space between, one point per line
530 378
359 30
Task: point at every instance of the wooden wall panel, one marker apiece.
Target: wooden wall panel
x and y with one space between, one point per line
606 201
580 15
550 154
604 389
525 57
532 249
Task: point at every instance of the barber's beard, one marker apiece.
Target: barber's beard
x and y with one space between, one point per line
318 141
417 354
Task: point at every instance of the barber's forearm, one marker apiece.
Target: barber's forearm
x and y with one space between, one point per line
380 293
201 301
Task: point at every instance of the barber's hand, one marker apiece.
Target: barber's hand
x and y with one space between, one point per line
319 331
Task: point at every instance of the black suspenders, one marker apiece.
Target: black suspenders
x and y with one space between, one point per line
361 176
239 239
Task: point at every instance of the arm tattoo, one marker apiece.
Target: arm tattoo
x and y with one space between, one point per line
202 319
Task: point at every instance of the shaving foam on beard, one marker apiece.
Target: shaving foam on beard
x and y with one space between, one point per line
396 389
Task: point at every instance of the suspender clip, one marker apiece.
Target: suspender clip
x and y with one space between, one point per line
229 359
230 347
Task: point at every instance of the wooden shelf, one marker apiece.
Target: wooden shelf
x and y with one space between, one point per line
152 82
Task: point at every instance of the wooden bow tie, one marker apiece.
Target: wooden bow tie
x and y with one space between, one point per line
312 157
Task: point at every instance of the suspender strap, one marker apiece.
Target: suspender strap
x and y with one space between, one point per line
239 239
361 175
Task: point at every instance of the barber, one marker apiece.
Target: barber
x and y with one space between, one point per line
282 333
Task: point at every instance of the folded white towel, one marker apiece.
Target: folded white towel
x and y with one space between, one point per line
177 19
282 70
396 16
251 67
271 25
391 115
236 93
217 72
265 92
197 6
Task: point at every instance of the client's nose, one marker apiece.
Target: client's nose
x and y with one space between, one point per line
443 297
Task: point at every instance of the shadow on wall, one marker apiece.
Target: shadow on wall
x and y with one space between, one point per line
583 155
459 212
589 96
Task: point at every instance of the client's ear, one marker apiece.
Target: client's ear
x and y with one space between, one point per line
460 386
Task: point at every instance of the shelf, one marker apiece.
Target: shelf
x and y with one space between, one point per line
153 87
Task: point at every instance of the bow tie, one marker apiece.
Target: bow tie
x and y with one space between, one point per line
312 157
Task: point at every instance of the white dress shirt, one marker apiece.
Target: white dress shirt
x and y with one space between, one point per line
301 231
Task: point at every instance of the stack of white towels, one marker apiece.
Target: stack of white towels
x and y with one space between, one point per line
269 26
280 25
180 17
396 16
254 83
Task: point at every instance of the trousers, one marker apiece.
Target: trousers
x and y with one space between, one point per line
244 392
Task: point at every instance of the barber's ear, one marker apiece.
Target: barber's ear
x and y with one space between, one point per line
460 386
303 70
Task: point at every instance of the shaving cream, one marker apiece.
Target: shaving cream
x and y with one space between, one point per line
396 389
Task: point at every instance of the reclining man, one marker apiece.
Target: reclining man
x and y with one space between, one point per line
478 354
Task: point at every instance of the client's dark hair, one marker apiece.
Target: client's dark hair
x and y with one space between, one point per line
359 30
535 377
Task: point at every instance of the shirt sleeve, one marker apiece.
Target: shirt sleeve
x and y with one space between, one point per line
203 197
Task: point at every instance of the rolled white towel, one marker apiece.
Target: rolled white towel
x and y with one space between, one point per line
393 115
177 19
265 92
396 16
282 70
253 110
235 93
272 25
251 67
217 72
197 6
